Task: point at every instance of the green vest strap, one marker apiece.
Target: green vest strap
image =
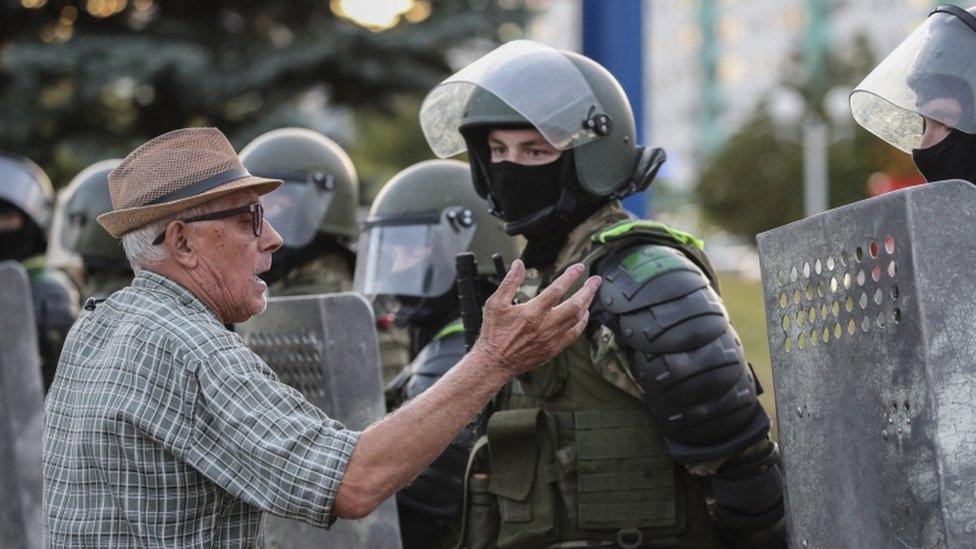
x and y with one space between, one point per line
626 512
453 328
621 229
600 419
631 480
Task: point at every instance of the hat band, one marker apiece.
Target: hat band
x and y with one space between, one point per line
201 187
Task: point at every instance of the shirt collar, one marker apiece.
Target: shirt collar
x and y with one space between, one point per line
148 280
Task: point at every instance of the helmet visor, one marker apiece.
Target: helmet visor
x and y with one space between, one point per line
411 255
535 80
296 208
931 74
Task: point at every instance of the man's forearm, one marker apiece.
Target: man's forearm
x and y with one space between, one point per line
393 451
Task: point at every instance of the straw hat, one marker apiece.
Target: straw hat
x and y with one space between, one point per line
173 172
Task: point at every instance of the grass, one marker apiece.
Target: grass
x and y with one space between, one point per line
744 301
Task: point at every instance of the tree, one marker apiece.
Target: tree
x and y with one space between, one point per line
754 182
81 81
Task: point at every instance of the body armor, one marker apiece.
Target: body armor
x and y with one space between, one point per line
429 506
578 450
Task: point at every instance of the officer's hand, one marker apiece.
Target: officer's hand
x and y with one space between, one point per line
518 338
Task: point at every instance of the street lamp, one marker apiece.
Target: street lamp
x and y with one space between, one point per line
788 106
380 15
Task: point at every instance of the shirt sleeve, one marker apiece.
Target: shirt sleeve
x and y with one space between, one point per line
263 442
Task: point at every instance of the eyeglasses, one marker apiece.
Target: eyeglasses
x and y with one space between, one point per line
255 209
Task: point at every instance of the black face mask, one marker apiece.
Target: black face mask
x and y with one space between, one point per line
952 158
522 191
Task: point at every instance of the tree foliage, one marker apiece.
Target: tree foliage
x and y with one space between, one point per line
75 88
754 182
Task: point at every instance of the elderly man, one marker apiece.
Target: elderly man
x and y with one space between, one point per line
163 429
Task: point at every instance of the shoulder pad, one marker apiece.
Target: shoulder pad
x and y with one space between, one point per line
55 299
433 361
642 275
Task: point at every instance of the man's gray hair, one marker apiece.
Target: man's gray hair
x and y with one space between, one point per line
138 244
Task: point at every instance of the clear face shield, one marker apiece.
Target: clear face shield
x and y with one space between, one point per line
412 255
535 80
931 74
298 206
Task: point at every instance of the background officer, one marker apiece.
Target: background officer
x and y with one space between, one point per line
26 199
647 430
315 213
80 246
421 219
920 98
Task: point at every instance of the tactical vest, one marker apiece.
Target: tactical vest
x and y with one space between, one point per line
575 458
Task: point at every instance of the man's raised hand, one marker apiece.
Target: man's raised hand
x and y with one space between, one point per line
520 337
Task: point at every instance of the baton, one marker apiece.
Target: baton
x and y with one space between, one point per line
467 284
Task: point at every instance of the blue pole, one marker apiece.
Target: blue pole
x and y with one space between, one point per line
613 36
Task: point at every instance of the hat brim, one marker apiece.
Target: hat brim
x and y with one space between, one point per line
119 222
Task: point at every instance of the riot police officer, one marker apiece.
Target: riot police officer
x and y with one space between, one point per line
921 99
315 213
26 199
79 245
314 210
421 219
647 430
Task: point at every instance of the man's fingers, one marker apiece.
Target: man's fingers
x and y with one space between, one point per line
568 337
580 300
510 284
555 292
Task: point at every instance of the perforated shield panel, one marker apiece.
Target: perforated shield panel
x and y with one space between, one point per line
21 413
325 346
870 311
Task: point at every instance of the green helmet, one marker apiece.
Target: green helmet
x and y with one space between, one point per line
575 103
421 219
75 233
320 193
25 188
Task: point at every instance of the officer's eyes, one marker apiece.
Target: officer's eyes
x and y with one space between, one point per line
498 150
536 153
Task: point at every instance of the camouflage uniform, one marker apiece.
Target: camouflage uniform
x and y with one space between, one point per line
315 212
327 274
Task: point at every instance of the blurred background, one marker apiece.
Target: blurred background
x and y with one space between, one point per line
749 97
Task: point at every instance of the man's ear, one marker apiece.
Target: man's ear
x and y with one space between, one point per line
181 245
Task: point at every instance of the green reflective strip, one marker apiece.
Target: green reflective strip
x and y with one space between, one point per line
611 418
683 237
633 480
645 267
453 328
626 512
34 264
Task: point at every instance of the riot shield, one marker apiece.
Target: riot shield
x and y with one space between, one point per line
21 412
325 346
870 313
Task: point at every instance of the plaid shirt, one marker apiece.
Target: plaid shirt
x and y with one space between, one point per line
163 429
